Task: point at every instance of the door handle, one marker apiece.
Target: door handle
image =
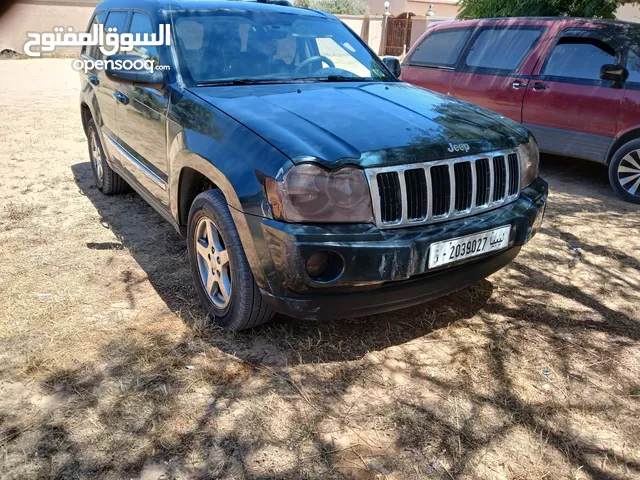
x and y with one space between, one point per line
518 84
539 86
121 97
93 80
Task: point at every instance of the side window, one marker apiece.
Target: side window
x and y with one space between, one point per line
579 57
502 48
114 19
93 50
441 48
633 65
141 23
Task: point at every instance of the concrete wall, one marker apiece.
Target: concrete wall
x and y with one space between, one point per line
629 13
354 22
442 10
419 7
36 16
419 25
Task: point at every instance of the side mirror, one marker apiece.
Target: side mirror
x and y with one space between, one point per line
393 64
616 73
133 70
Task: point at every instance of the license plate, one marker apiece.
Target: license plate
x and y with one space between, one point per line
469 246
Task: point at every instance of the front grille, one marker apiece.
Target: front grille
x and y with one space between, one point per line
499 178
514 174
464 186
440 190
417 200
483 179
390 198
436 191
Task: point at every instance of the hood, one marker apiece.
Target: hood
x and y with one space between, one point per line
367 124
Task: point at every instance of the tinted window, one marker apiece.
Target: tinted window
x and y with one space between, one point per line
502 48
141 23
579 57
114 19
441 48
633 64
93 50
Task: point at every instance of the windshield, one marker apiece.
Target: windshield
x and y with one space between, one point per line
261 46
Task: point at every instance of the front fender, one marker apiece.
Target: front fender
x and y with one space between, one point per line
231 156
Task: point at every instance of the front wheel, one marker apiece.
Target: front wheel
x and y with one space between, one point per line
220 269
624 171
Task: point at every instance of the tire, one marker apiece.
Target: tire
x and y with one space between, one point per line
243 307
624 171
107 181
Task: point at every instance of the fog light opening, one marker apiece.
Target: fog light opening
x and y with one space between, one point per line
324 266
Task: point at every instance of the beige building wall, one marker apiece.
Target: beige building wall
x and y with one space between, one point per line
446 9
41 17
629 13
441 10
355 22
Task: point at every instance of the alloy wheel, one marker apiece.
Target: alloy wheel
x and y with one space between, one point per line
213 262
96 156
629 173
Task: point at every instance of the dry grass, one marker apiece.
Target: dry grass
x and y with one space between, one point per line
533 373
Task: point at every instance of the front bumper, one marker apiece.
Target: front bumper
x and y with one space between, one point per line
383 269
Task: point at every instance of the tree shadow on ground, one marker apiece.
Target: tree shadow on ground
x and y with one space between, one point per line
162 254
533 377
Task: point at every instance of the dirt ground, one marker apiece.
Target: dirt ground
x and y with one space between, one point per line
108 371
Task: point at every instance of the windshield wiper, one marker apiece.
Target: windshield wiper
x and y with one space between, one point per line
342 78
241 81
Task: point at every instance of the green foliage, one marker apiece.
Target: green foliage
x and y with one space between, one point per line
538 8
337 7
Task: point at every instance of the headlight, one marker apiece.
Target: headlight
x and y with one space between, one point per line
529 161
309 193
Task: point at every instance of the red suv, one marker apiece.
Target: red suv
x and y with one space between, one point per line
575 83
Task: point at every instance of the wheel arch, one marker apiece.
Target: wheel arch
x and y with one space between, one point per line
189 174
85 116
621 140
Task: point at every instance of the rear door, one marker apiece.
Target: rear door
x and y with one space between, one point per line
142 121
569 108
493 71
431 64
102 86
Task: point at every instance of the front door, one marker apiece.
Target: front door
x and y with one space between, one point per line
570 110
494 70
142 120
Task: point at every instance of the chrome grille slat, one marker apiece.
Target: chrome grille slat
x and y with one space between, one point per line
427 171
399 196
452 190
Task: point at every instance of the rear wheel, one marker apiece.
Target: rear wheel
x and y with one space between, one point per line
107 181
220 269
624 171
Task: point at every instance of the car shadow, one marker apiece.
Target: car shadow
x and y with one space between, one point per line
161 252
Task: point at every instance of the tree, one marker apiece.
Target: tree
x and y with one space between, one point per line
539 8
337 7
